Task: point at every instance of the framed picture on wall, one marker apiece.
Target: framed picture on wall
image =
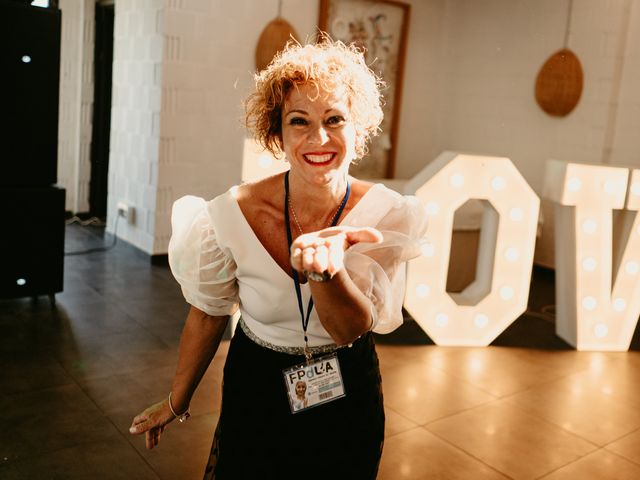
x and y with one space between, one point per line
380 27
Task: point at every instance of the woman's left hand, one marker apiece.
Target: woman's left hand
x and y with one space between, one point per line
323 251
152 423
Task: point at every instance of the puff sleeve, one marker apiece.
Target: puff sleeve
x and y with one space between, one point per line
205 272
379 270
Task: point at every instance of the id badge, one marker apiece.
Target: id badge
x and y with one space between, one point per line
314 383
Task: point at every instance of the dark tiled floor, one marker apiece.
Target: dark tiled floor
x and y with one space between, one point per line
72 377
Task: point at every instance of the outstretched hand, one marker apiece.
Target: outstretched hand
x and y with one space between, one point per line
152 423
323 251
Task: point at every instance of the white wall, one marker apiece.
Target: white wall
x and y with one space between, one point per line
208 71
135 118
182 68
76 102
420 132
489 58
476 65
626 138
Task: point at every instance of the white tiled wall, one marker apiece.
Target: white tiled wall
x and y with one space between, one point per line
492 51
135 118
481 96
76 102
626 138
420 123
182 68
208 67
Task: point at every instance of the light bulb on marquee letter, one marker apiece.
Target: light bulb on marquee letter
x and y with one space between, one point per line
499 294
591 313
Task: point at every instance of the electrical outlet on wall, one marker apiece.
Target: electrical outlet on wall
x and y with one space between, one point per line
126 211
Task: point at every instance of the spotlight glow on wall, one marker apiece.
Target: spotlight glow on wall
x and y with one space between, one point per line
478 314
593 314
258 163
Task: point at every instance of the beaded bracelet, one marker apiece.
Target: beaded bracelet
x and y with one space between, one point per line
183 416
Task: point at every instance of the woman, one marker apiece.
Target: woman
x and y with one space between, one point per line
301 401
315 260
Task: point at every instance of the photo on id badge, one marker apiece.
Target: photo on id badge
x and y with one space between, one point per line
310 385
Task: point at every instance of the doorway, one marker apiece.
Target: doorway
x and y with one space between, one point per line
103 66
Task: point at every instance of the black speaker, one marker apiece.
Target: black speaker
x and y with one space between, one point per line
32 241
29 92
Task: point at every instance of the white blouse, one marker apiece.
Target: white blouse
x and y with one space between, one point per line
221 265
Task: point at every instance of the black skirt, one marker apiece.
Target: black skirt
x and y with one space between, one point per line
259 438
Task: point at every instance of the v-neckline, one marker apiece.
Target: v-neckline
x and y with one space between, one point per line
266 252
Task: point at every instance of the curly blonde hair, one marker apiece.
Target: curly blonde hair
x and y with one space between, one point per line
327 65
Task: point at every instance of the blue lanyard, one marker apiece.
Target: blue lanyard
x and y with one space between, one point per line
296 282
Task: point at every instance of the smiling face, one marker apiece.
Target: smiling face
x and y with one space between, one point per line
318 135
301 388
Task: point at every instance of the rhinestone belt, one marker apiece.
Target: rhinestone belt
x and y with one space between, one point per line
320 349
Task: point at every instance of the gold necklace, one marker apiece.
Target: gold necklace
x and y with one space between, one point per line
295 217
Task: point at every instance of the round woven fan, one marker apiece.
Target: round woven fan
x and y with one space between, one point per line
273 39
559 83
560 80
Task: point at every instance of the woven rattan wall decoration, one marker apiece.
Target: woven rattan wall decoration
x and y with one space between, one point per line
560 80
273 39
